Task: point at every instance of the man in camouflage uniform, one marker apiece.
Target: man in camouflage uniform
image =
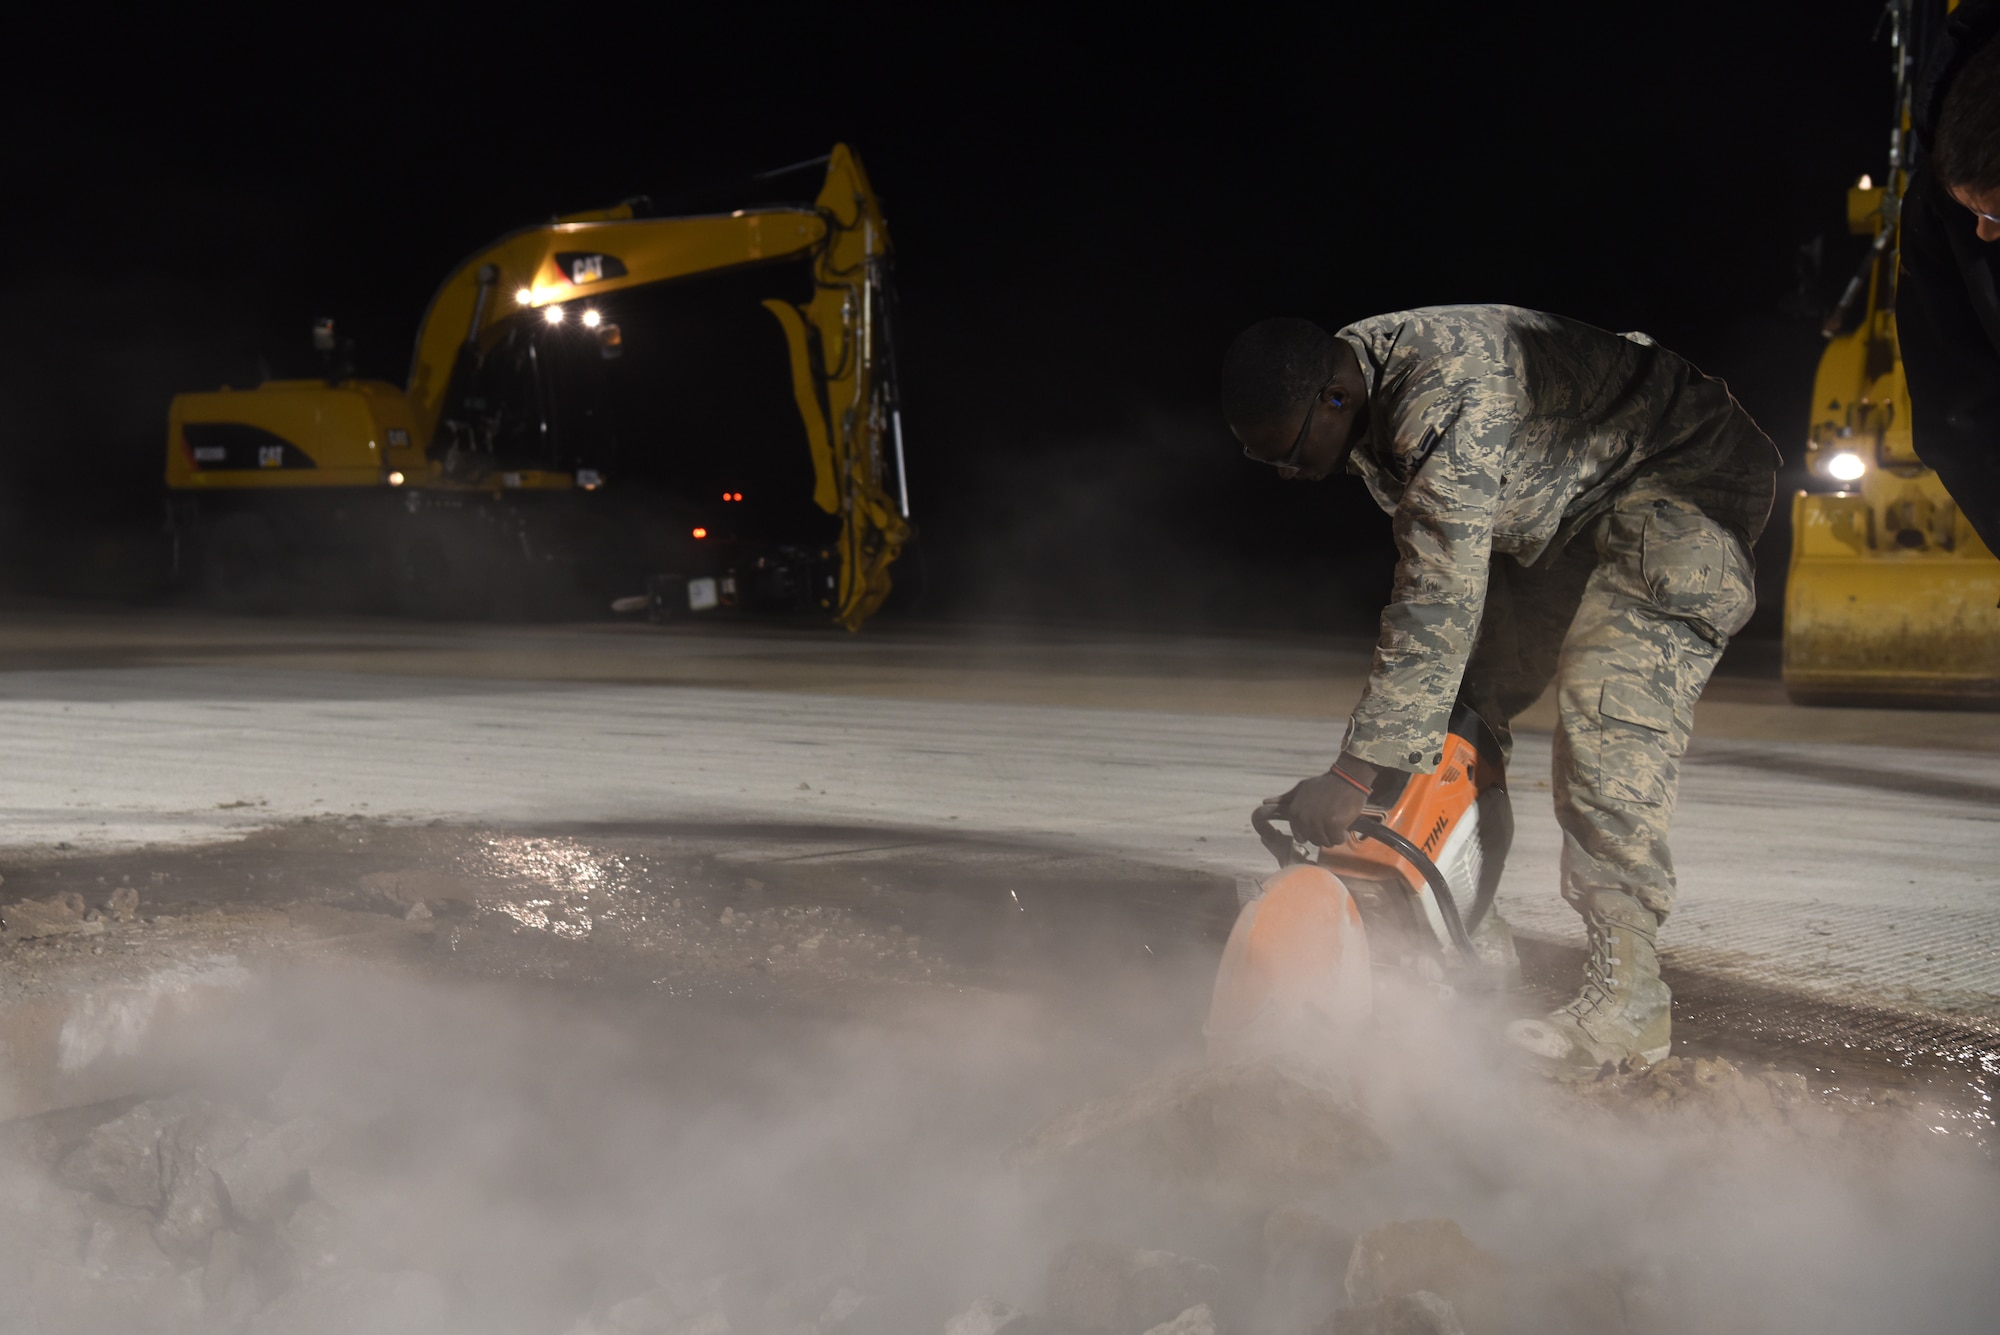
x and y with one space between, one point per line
1569 505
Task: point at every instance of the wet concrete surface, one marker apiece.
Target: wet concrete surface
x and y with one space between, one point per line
821 915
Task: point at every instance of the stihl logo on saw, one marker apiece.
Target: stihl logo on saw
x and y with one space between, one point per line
1437 833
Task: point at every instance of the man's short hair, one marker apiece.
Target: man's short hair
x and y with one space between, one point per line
1272 368
1966 154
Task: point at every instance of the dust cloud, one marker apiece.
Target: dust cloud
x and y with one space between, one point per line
449 1141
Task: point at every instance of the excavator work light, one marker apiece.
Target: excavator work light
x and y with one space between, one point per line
395 479
553 314
1846 466
591 319
525 297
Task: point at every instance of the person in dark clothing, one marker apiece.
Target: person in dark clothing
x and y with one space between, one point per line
1948 294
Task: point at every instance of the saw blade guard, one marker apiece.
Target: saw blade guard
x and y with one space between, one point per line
1295 971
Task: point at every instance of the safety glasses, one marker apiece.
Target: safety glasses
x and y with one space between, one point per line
1291 459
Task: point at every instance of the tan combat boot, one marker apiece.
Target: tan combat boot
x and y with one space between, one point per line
1624 1011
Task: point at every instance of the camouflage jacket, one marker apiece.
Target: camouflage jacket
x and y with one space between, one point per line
1493 429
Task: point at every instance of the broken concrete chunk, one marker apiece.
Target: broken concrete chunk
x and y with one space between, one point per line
1564 1298
189 1151
1305 1256
119 1160
193 1212
228 1267
373 1208
989 1316
118 1240
1239 1137
1197 1320
124 904
1300 1237
228 1257
1391 1263
266 1177
1401 1258
318 1235
57 915
1100 1288
1419 1313
1710 1089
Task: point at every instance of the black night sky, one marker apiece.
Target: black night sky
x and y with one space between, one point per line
1087 203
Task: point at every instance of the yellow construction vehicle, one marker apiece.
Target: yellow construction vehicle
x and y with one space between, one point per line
1891 596
492 466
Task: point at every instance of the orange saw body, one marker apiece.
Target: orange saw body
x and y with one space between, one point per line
1411 888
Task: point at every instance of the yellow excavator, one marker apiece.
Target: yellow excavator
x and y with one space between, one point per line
1891 596
489 468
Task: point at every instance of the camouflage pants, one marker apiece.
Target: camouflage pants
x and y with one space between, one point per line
1629 626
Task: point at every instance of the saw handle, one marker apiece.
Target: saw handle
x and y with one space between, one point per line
1279 844
1286 850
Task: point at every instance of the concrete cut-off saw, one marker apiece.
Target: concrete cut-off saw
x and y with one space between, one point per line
1411 890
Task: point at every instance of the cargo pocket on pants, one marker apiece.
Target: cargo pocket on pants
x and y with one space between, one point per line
1635 735
1697 572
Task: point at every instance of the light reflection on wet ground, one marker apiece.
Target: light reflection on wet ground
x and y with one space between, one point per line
570 883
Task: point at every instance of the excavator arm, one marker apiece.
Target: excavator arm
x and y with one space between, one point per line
840 343
844 381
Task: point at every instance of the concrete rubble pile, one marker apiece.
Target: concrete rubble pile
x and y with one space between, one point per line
1410 1277
1254 1145
65 914
1232 1138
182 1214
